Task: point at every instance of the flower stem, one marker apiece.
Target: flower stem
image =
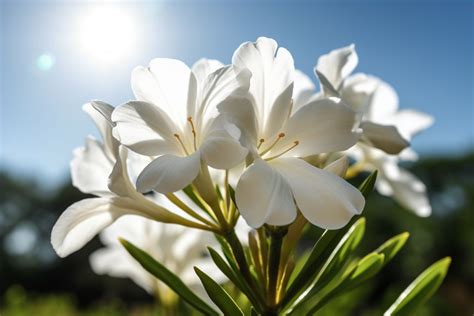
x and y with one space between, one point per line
274 253
176 201
239 255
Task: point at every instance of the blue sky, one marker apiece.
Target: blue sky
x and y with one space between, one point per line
424 49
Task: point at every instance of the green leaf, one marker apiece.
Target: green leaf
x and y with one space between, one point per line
234 277
167 277
341 254
420 290
232 194
366 268
368 185
391 247
353 277
218 295
328 254
190 193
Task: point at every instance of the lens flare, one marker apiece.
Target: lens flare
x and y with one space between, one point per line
45 62
106 33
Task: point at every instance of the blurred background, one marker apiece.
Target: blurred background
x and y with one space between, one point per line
57 55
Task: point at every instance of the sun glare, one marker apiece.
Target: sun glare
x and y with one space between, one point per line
107 34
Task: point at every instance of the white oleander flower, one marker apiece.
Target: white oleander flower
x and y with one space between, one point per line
176 247
386 130
277 137
102 169
393 180
334 72
175 121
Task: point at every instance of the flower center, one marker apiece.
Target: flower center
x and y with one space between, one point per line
295 143
181 143
280 136
272 145
193 131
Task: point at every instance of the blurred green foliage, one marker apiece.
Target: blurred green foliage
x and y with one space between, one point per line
35 282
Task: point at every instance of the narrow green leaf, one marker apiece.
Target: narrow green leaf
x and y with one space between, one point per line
234 277
218 191
341 254
232 194
190 193
167 277
329 248
391 247
353 277
218 295
366 268
368 185
420 290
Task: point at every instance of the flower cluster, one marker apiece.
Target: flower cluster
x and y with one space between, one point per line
200 146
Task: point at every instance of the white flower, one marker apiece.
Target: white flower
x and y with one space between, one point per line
175 121
277 137
384 127
91 169
176 247
334 70
303 90
393 180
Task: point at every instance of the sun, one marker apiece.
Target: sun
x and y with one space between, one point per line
107 34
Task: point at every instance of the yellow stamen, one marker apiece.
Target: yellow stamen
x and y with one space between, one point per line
280 136
193 130
295 143
260 142
181 142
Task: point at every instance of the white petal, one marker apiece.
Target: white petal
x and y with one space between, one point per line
80 222
383 103
411 122
338 167
303 90
263 196
118 263
240 111
119 180
272 75
204 67
322 126
325 199
91 167
216 87
357 91
167 83
386 138
221 148
333 68
101 113
409 191
145 128
169 173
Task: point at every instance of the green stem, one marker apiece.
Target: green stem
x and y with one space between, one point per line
239 254
273 266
